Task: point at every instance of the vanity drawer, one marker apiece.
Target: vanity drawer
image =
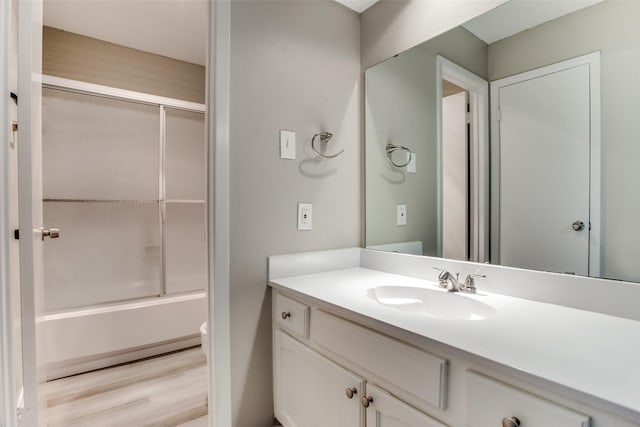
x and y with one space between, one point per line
408 368
490 401
292 315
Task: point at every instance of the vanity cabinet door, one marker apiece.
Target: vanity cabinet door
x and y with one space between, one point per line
312 391
384 410
491 403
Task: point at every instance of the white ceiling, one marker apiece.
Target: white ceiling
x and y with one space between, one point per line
358 5
515 16
178 28
173 28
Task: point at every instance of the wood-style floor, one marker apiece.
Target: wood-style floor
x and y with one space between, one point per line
169 390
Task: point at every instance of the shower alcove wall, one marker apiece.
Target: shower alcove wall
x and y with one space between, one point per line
124 178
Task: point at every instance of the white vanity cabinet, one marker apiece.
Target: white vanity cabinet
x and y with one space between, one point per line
312 391
334 367
492 403
384 410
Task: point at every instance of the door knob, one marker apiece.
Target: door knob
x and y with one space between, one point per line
366 401
285 315
510 422
351 391
52 233
578 226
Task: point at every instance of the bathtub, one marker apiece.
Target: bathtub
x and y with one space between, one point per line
81 340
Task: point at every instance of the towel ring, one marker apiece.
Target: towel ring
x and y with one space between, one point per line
324 138
391 148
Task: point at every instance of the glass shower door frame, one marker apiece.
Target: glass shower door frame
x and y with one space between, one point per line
162 103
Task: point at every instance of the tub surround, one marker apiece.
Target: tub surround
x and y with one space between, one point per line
541 332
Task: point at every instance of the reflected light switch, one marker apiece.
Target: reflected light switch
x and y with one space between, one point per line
411 167
287 144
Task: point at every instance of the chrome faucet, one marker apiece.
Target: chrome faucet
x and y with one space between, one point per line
452 284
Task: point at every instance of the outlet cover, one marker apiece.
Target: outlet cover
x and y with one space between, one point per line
305 216
402 214
287 144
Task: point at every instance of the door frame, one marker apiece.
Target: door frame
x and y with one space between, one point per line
478 89
593 60
7 381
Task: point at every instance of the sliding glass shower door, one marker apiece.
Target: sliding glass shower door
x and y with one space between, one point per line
125 183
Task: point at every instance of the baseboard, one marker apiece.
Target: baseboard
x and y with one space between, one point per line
91 363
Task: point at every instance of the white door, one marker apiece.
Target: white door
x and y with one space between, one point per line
30 202
543 182
384 410
311 391
455 175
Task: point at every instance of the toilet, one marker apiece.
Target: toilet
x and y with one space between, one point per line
204 340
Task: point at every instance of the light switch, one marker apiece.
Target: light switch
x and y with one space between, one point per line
287 144
402 214
305 216
411 167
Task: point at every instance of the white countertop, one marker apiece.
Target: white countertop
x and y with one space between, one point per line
591 353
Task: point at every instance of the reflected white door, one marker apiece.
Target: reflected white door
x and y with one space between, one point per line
455 170
544 169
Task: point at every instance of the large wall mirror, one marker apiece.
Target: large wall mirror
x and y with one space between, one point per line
512 139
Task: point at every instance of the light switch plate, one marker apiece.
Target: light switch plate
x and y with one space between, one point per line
411 167
305 216
402 214
287 144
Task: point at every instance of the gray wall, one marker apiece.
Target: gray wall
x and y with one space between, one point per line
393 26
400 107
296 66
613 28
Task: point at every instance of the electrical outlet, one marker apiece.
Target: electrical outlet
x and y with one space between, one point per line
305 216
402 214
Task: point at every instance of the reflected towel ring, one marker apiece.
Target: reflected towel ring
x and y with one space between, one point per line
324 138
391 148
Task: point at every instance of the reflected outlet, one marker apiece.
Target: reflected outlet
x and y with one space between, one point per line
402 214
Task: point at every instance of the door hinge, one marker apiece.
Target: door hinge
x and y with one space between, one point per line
14 130
468 118
499 114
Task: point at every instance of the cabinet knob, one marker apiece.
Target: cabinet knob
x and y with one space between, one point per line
286 315
350 392
510 422
366 400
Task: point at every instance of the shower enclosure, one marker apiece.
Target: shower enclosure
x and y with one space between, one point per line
124 179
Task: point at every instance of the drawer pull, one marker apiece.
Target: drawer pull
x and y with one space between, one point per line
286 315
510 422
351 391
366 400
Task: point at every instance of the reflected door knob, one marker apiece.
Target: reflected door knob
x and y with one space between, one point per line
350 392
578 226
510 422
366 401
52 233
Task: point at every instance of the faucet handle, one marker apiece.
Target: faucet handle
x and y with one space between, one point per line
442 277
470 284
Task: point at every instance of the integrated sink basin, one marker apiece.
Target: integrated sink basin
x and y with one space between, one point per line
432 303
